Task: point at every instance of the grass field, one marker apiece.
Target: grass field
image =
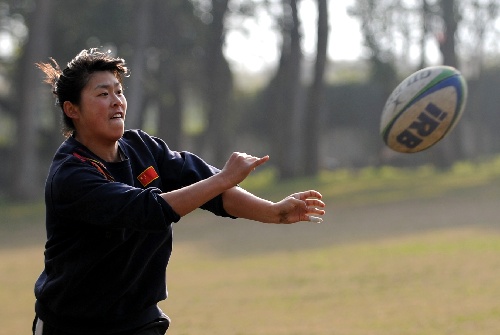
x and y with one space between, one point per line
400 252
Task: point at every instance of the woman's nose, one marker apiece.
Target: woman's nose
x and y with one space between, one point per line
117 101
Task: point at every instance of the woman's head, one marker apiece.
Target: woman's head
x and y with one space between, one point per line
68 84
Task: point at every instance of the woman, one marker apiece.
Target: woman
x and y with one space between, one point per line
111 198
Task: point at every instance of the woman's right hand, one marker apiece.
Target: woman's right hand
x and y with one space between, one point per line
236 169
239 166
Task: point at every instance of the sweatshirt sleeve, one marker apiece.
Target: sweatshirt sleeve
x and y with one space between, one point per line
182 168
79 194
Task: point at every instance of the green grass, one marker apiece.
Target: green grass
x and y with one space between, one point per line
401 252
439 283
385 184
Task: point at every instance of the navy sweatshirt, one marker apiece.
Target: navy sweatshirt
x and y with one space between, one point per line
109 233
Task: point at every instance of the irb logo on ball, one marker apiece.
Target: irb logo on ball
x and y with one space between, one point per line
423 109
428 121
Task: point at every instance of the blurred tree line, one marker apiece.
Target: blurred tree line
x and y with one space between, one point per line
182 87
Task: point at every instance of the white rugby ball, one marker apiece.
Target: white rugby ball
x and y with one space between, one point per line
423 108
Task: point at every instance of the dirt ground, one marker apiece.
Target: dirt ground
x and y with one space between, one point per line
477 207
345 222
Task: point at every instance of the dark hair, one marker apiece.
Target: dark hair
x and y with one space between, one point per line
68 84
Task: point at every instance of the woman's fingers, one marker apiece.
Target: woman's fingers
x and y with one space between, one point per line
240 165
314 219
311 194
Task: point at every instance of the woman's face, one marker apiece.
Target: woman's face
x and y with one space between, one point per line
100 116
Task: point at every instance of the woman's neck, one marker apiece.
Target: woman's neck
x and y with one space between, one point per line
107 152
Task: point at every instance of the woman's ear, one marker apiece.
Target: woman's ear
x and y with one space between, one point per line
71 110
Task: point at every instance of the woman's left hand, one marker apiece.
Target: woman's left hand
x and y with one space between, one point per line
301 206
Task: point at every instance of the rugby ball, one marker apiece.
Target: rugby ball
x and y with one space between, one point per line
423 108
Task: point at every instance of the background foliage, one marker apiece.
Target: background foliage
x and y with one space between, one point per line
309 113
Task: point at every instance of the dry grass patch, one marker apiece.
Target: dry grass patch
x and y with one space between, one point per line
439 283
401 252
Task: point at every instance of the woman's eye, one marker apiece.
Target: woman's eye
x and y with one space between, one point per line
104 94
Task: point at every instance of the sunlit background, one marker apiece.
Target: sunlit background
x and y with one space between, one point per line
410 243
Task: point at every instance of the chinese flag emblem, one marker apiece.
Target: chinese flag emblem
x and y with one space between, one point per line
147 176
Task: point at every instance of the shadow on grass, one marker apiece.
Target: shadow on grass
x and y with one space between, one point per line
347 222
372 205
22 225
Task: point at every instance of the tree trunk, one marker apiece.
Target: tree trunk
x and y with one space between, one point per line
447 44
450 148
167 34
425 32
135 93
283 96
218 87
25 168
170 118
312 116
